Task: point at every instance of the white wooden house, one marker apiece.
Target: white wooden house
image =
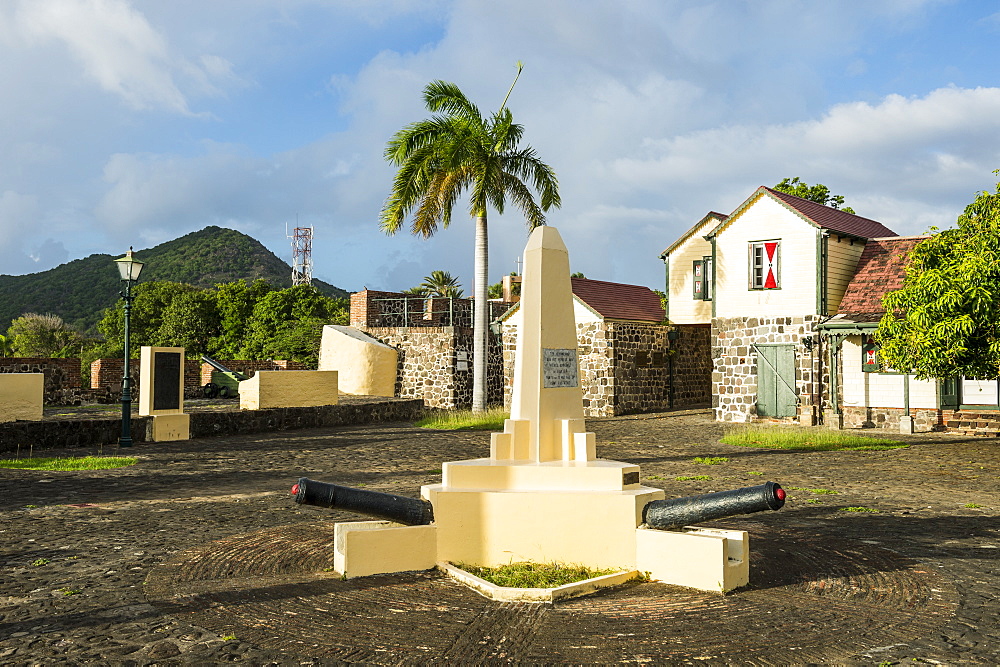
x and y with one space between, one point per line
776 267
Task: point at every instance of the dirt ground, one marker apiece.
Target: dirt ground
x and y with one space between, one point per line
197 555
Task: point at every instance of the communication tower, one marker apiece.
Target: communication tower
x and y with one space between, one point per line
302 263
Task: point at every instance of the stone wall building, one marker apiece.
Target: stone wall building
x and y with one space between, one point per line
626 362
765 277
630 362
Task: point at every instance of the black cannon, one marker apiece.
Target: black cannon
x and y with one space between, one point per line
680 512
225 383
410 511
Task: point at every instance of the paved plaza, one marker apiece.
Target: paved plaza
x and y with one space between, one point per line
197 555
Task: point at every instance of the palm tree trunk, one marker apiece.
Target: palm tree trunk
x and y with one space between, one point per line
480 320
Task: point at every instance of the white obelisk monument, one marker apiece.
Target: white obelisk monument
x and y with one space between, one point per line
542 495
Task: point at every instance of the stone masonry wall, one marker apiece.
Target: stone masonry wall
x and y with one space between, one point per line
597 377
641 373
62 376
888 418
623 367
690 362
734 375
435 364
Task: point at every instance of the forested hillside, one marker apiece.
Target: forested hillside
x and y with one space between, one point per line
80 290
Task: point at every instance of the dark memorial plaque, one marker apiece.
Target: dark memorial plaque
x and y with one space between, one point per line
559 368
166 380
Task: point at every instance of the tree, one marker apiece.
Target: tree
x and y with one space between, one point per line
34 335
945 320
285 324
6 346
818 193
456 150
235 302
441 283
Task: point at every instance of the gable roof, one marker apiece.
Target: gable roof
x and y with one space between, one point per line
881 268
815 214
617 301
709 217
612 301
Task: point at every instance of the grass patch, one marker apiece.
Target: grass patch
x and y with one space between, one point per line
454 420
858 509
533 575
972 506
78 463
692 478
807 439
711 460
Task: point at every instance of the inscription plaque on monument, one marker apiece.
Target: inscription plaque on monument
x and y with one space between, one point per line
559 368
166 380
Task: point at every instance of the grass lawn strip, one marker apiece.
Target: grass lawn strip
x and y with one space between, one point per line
69 464
806 439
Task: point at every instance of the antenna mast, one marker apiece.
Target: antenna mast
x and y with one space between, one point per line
302 241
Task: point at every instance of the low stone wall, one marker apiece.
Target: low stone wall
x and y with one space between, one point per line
66 433
887 419
61 375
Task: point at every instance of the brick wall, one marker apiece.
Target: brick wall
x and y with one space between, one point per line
109 373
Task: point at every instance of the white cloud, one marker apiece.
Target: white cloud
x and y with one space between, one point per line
118 48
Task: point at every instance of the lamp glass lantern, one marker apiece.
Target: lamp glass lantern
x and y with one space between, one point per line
129 267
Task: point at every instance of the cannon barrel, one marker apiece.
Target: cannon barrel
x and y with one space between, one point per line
222 369
680 512
410 511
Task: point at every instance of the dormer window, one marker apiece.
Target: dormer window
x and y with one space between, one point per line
764 265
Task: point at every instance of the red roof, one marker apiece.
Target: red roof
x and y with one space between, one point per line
832 218
617 301
881 269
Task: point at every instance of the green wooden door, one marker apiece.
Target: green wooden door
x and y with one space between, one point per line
948 394
775 380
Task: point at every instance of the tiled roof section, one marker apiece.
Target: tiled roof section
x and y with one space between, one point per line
881 268
832 218
617 301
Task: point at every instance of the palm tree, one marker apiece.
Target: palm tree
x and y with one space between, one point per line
457 149
441 283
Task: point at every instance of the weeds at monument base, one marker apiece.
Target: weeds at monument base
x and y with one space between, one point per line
807 439
534 575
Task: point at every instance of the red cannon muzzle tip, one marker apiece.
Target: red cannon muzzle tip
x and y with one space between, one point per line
779 493
295 490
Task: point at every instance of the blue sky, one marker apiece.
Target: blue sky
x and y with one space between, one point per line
131 123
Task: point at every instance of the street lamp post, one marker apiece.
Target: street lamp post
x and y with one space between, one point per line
129 268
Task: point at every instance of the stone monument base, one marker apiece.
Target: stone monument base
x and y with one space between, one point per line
165 428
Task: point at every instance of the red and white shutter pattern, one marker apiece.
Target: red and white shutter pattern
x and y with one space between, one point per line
771 265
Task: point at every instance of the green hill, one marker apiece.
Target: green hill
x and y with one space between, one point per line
79 290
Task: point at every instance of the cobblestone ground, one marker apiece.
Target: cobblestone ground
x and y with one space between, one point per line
196 555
